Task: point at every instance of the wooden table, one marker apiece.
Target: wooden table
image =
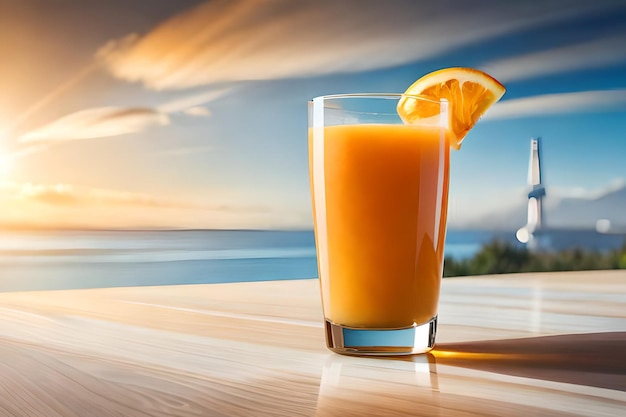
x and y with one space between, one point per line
516 345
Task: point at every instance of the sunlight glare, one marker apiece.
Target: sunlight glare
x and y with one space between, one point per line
6 163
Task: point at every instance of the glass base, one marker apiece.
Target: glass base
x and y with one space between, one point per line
419 338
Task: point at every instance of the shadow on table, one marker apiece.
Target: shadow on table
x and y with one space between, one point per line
592 359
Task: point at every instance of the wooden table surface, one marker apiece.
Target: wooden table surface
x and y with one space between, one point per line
514 345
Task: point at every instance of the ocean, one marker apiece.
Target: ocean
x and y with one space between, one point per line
50 260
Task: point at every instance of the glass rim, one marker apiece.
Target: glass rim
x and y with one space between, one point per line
390 96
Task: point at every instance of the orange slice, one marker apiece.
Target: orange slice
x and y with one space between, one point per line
470 93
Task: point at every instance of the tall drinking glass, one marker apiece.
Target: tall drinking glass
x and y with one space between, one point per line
380 196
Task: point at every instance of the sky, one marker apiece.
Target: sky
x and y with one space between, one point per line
193 114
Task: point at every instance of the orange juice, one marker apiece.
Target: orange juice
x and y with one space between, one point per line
383 221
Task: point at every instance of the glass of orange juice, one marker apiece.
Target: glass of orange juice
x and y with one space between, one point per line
379 190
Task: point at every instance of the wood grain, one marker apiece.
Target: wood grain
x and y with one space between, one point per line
515 345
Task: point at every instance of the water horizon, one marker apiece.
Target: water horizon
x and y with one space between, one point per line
87 258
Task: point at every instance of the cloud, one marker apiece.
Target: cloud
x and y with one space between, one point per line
65 195
70 195
231 40
192 101
101 122
593 54
97 123
65 205
197 111
551 104
58 194
587 193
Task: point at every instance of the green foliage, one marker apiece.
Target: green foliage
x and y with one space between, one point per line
503 258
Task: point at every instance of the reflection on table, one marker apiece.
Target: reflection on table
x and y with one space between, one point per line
516 345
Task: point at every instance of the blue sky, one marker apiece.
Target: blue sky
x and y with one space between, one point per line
193 114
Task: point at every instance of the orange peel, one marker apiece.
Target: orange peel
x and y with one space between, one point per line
470 94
